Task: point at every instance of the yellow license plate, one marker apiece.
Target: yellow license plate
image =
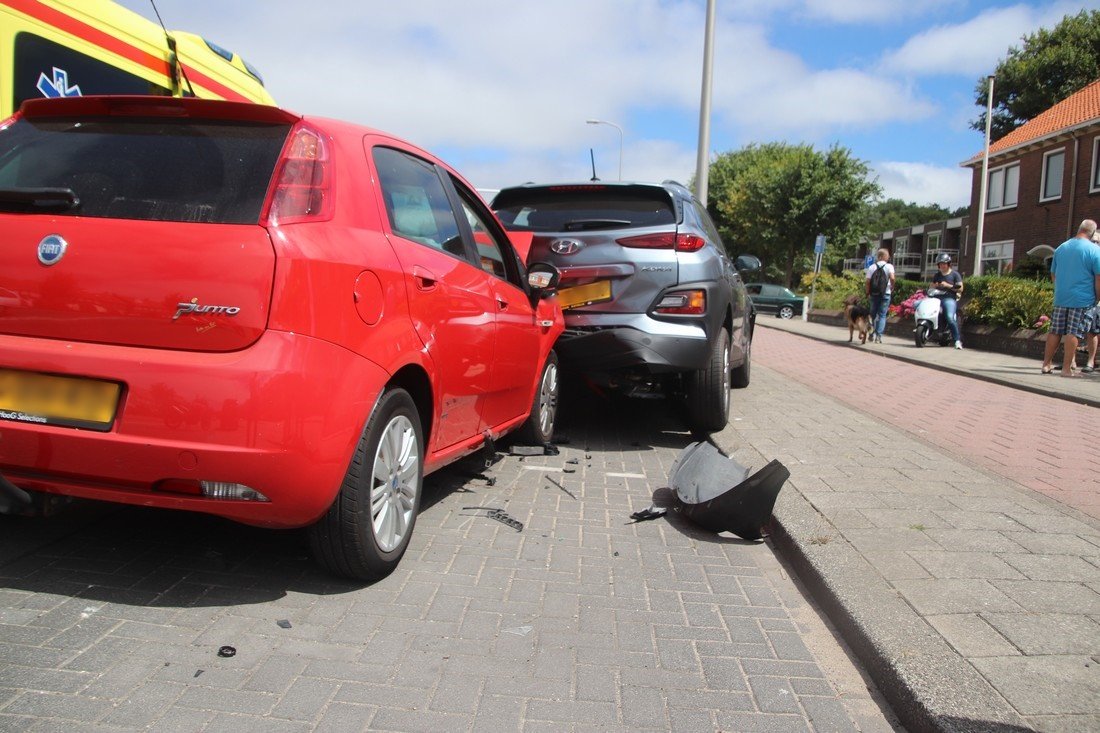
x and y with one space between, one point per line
50 400
585 294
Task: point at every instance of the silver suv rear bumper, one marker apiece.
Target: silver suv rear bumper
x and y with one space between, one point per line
608 342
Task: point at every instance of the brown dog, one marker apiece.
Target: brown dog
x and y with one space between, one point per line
858 317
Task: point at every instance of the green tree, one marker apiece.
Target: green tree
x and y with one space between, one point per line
1049 66
772 200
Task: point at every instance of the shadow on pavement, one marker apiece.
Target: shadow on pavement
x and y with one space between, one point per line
163 558
149 557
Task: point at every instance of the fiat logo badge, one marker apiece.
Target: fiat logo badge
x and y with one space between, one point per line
566 246
51 249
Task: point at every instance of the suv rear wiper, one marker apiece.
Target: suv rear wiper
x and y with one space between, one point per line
35 199
578 224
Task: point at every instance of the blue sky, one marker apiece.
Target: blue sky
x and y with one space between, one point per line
501 89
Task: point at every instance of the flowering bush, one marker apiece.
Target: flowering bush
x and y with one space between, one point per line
1008 302
908 307
1043 324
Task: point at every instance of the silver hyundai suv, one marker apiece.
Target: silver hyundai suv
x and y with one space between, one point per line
652 302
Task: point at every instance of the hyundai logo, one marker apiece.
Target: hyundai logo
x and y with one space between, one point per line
566 246
51 249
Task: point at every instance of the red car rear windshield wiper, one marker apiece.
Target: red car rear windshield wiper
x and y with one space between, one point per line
579 224
38 199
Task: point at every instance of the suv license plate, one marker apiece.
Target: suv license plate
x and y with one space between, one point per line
596 292
45 399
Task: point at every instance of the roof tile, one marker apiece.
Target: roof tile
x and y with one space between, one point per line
1078 108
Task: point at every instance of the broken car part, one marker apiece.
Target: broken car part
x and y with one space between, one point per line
499 515
650 512
719 494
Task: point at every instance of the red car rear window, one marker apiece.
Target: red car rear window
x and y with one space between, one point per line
152 169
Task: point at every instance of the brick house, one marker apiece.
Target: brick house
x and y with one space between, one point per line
913 250
1044 178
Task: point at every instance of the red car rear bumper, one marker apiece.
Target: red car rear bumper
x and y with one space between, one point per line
282 417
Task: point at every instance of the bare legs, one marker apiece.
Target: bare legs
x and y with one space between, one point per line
1069 344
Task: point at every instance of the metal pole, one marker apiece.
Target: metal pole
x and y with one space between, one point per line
605 122
702 161
813 284
985 183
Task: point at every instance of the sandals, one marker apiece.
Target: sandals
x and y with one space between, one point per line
1048 370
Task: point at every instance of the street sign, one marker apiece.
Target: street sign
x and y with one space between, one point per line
868 261
819 244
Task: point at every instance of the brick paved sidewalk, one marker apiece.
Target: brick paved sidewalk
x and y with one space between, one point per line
1012 371
1044 443
974 601
581 622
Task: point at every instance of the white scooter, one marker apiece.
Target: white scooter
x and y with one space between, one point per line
931 320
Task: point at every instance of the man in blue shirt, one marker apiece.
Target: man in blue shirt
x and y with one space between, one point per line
1075 271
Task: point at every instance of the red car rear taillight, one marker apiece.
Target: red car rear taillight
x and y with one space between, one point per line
303 180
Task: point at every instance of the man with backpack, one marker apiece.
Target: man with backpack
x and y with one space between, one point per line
879 286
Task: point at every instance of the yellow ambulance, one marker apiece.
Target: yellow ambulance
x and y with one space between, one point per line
54 48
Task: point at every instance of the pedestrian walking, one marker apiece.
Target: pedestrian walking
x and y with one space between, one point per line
879 287
951 283
1093 331
1075 271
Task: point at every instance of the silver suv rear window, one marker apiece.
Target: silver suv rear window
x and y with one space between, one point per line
581 208
151 169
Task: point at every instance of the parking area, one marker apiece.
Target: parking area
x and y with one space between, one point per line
112 618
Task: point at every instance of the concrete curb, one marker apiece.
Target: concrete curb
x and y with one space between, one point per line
1076 399
927 683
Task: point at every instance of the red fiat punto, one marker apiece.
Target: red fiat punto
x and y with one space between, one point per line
233 309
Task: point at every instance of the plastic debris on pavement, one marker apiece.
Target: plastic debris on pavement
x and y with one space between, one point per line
499 515
719 494
650 512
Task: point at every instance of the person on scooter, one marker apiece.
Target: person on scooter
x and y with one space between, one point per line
950 283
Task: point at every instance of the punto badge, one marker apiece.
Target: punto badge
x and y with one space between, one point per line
51 249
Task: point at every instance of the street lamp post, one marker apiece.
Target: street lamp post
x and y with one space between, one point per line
605 122
702 162
984 183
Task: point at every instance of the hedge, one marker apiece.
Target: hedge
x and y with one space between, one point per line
992 299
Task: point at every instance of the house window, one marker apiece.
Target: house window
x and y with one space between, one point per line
933 241
1004 185
1095 183
1054 164
901 246
996 257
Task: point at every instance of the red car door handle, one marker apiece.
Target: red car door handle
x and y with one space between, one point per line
424 279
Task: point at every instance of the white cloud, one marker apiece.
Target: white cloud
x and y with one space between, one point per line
646 160
924 184
863 11
974 47
524 76
853 12
502 89
822 101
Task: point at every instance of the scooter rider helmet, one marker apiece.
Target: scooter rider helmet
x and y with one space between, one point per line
943 259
